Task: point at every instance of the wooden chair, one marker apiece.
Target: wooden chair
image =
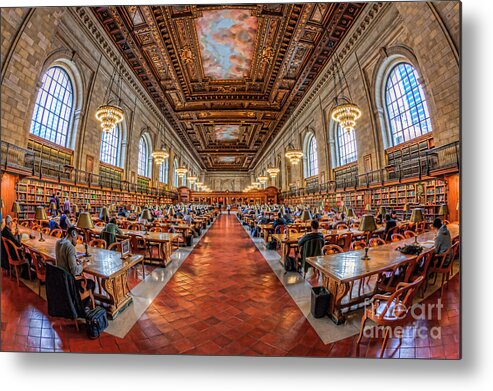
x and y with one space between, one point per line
40 266
36 228
421 269
331 249
330 239
341 226
344 240
388 281
391 232
155 229
357 245
420 228
135 227
409 234
391 310
80 239
375 242
57 233
397 237
137 243
98 243
99 224
117 246
442 263
45 230
403 228
24 224
16 261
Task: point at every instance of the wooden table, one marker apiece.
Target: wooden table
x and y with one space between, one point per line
105 265
163 239
341 271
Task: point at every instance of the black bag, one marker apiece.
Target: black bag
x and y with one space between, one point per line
96 322
289 264
188 240
320 302
410 249
272 245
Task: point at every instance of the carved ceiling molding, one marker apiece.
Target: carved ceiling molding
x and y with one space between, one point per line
291 45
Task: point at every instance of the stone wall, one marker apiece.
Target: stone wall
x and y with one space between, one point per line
35 39
425 34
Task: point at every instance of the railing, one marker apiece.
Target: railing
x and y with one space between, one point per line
14 157
435 159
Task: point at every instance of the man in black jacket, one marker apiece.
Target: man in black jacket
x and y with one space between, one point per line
311 244
8 234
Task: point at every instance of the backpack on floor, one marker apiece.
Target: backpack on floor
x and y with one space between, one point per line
289 264
272 245
96 322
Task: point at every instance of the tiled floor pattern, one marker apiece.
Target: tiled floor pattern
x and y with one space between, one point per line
224 300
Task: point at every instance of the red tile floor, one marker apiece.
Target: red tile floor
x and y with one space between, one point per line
224 300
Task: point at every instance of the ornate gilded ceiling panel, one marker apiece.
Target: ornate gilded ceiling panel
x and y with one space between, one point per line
227 77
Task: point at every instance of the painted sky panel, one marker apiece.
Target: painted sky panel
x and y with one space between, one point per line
226 42
226 132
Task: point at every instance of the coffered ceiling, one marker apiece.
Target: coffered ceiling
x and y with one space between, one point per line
227 77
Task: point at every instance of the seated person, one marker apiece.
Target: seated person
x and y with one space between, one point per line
394 215
66 257
311 243
52 224
65 221
8 234
443 240
279 221
288 218
389 223
110 231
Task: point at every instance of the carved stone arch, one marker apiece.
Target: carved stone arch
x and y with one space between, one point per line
389 58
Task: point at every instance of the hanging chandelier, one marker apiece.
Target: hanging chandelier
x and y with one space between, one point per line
263 179
294 155
160 156
192 179
255 184
273 171
346 115
108 114
181 171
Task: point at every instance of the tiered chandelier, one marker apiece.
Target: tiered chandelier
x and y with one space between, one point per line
346 113
273 171
192 179
160 156
263 179
181 171
108 114
293 154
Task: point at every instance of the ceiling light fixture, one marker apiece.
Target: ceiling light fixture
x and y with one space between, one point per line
108 114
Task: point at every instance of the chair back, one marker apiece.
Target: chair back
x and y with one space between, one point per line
14 253
344 240
374 242
396 237
279 228
331 239
409 234
98 243
135 227
45 230
135 242
391 232
312 248
108 237
357 245
422 265
155 229
116 246
57 233
341 225
39 265
99 224
331 249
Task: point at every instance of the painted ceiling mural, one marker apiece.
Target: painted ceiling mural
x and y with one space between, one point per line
227 39
227 78
226 132
227 159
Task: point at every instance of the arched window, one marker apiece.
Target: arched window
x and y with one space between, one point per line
144 153
175 175
311 158
163 172
405 102
346 146
53 110
110 146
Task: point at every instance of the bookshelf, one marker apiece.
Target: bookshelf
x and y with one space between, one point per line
32 193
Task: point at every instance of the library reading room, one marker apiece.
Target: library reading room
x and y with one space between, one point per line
232 179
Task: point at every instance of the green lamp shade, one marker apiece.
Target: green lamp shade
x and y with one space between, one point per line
306 215
443 211
40 213
416 216
350 212
84 221
146 214
368 223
